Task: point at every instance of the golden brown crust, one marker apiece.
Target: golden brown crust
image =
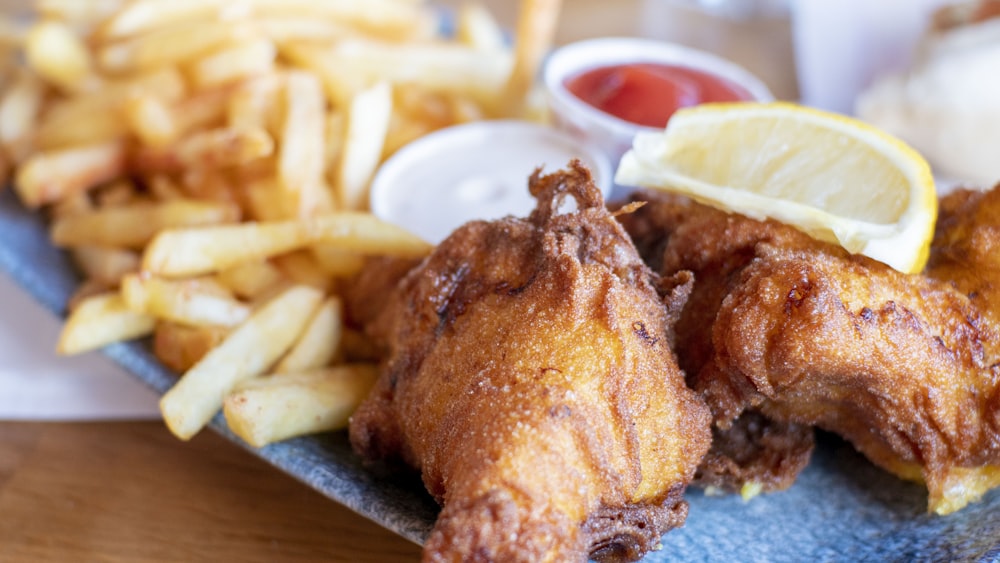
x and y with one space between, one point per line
674 235
906 367
532 383
902 366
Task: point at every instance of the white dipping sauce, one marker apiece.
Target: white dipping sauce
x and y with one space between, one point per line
478 170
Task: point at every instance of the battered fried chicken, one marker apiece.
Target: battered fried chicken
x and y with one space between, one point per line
531 381
902 366
905 367
673 234
966 247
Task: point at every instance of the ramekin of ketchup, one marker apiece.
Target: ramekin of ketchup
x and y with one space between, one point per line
649 93
604 91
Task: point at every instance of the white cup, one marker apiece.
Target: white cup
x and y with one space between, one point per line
605 131
477 170
841 46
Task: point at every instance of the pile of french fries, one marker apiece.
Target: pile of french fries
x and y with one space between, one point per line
206 164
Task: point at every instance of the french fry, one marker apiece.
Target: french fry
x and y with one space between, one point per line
150 128
57 53
224 147
187 252
145 15
301 267
339 83
47 177
180 347
97 117
337 262
270 409
298 28
67 126
436 66
254 104
19 109
255 170
476 27
210 185
106 266
319 342
195 251
365 233
163 188
238 62
83 13
151 120
389 19
250 280
334 144
195 302
101 320
301 157
268 201
404 129
116 193
213 148
364 139
170 45
134 225
246 352
166 83
203 110
536 27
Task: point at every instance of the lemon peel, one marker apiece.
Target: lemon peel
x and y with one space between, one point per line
833 177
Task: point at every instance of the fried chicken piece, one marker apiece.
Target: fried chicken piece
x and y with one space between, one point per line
532 383
966 247
902 366
673 234
907 368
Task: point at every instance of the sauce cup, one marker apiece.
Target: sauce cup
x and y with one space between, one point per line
603 130
478 170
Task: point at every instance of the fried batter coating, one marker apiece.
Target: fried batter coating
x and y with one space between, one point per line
905 367
531 382
673 234
902 366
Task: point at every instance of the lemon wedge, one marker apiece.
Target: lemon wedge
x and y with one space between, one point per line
834 177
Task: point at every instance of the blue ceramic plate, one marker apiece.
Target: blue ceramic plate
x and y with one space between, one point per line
841 509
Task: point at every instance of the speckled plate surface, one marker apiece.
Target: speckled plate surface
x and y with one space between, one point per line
841 509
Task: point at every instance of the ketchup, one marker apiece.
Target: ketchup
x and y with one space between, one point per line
649 93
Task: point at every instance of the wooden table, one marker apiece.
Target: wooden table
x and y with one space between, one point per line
128 491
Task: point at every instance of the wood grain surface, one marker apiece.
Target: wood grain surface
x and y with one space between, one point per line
128 491
132 492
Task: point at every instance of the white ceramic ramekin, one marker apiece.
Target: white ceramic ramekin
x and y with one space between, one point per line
609 133
478 170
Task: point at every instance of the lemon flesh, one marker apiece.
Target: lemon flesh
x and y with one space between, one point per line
836 178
